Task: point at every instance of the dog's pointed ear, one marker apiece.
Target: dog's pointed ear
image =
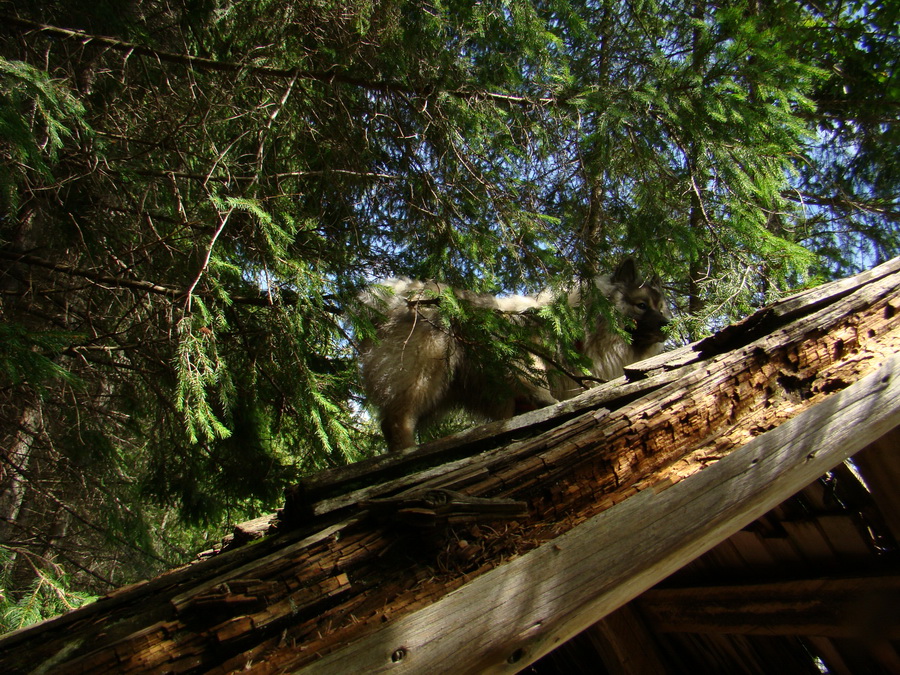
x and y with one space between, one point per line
656 282
626 272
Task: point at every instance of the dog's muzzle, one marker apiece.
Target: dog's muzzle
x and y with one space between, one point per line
648 329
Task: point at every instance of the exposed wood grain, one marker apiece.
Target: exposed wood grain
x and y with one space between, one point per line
622 485
805 302
537 601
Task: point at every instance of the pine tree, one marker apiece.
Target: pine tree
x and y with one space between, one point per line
193 196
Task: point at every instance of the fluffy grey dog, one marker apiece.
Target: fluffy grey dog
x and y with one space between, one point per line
418 368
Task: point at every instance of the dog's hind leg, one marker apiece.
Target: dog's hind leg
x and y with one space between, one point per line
416 393
409 381
399 431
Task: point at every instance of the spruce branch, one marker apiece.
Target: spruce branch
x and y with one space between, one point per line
190 291
287 298
324 76
842 202
90 275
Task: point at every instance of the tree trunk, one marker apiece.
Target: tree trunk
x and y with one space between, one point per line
13 469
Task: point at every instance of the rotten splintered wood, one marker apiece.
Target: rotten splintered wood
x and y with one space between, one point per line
440 508
613 481
335 489
538 601
654 421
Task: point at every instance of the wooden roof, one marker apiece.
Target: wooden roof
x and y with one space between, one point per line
697 516
817 577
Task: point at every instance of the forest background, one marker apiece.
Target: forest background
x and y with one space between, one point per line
193 192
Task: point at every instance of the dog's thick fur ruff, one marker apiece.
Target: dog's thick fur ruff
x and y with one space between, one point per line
417 368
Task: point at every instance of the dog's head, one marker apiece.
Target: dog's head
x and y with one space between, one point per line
642 303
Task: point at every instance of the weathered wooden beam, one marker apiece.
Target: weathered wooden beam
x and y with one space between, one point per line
865 607
770 318
324 491
513 615
721 389
605 483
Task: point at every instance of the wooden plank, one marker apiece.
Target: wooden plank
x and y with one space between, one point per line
753 550
812 310
727 556
868 656
848 608
509 617
767 319
310 593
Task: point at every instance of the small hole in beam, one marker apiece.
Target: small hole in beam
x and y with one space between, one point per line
398 655
516 656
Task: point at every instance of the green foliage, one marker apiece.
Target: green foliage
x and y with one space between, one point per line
186 242
28 357
200 371
47 595
850 188
36 114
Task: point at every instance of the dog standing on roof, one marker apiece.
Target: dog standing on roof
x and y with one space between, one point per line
417 368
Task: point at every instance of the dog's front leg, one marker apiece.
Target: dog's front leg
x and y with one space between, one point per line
399 431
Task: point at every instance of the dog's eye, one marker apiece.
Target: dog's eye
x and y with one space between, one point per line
641 306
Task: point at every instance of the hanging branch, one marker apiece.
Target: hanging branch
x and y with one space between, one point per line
190 291
288 298
326 76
